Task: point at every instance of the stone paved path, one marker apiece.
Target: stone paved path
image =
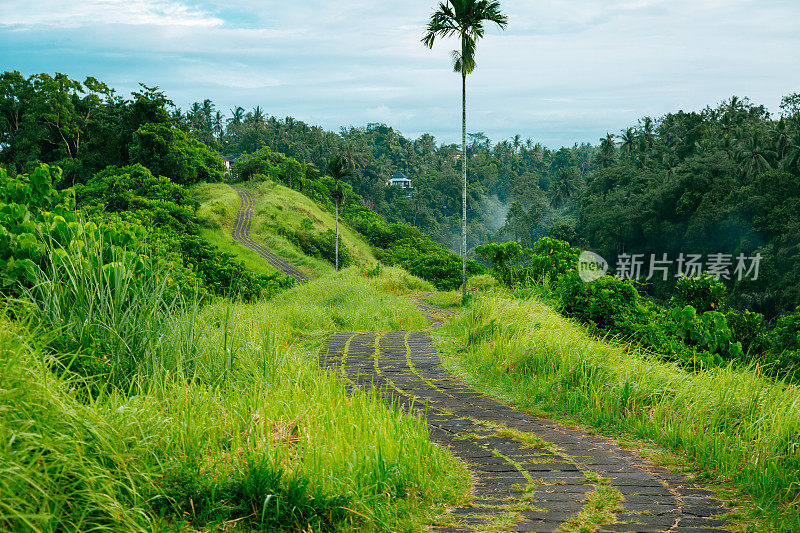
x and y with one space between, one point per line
531 474
241 233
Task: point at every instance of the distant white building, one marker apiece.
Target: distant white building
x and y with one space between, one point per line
226 163
402 181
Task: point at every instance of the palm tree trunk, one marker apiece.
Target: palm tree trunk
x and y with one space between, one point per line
337 237
463 185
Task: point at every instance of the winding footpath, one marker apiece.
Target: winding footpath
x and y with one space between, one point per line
241 234
531 474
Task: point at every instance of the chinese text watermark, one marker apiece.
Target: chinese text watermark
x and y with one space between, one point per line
649 267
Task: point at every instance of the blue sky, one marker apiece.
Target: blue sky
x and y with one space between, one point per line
565 70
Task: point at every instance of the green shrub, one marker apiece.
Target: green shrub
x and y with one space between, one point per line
221 273
265 164
609 303
552 258
443 269
784 341
749 329
614 306
156 201
373 270
500 256
704 293
708 332
320 245
29 207
168 151
481 282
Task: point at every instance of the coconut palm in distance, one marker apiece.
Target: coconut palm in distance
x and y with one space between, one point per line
463 19
338 168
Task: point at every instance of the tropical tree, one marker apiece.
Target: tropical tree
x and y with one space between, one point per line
781 135
628 139
792 158
753 156
607 149
257 117
563 185
338 168
647 132
463 19
237 116
219 118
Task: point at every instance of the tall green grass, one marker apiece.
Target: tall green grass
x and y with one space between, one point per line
205 417
64 465
732 423
113 314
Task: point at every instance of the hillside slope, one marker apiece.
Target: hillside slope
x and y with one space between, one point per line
280 213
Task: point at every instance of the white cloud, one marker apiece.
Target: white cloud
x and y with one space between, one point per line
81 13
564 71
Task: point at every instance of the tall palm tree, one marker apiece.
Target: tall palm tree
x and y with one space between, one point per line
237 116
258 116
781 135
647 132
338 168
628 138
207 113
563 185
195 116
219 118
792 158
607 149
753 156
463 19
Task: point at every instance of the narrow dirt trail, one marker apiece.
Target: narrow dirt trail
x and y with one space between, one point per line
241 234
531 474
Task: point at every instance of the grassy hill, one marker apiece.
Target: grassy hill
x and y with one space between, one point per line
280 212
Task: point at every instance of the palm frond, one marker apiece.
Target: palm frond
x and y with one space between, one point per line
464 18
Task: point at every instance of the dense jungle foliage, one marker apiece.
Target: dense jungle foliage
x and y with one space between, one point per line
697 327
724 179
127 159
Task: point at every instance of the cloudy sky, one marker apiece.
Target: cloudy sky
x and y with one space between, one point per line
564 71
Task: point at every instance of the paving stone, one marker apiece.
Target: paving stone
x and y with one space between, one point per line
695 530
491 503
703 511
703 522
551 516
531 526
656 500
666 520
540 498
633 528
649 508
